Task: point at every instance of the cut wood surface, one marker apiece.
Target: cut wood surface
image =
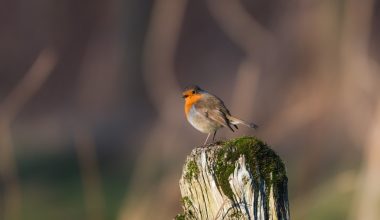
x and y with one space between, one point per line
237 179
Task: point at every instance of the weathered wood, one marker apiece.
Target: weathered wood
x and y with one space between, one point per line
237 179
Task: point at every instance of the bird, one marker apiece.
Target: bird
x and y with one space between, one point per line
207 113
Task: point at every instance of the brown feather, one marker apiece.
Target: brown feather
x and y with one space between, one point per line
215 109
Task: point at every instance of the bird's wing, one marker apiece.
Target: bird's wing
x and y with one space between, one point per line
214 109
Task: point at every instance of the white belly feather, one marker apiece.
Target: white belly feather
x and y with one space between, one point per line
201 122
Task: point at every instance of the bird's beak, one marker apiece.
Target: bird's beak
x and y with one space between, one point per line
184 96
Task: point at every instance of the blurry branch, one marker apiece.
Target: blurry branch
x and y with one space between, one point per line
28 85
361 82
98 90
361 79
159 54
11 106
99 84
245 88
239 25
9 177
357 27
252 38
85 146
246 83
366 204
300 108
164 91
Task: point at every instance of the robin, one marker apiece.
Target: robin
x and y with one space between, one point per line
207 113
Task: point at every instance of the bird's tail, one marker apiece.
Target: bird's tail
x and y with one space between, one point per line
236 121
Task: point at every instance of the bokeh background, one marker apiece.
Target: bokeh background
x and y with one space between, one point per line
92 123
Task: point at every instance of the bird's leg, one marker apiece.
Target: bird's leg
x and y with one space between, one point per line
213 137
206 139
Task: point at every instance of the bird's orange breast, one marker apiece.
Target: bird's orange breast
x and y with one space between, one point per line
189 102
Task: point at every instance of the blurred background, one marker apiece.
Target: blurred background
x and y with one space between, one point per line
92 123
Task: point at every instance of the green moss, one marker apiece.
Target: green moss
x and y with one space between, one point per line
187 206
192 170
236 215
180 217
261 161
186 202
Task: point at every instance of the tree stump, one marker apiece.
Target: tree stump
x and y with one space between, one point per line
237 179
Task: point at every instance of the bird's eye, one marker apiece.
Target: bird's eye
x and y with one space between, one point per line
193 92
